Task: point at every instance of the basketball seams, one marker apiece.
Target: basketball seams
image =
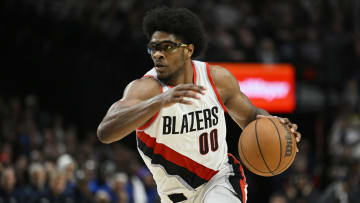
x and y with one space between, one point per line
243 155
246 161
278 133
261 153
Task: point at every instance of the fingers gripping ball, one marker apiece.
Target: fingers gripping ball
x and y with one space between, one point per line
266 147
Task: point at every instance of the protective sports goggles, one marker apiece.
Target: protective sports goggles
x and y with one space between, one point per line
164 46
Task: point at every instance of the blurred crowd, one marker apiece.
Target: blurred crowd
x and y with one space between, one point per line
44 159
320 37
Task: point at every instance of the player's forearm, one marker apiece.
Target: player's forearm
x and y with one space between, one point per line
121 121
260 111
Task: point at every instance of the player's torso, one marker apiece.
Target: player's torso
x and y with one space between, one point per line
185 145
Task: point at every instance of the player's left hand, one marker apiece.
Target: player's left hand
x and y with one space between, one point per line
291 126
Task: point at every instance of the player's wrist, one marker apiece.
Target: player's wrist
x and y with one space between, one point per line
159 101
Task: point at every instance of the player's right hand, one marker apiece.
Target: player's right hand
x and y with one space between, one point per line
179 93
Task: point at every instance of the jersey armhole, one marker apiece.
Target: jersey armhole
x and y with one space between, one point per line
214 88
153 118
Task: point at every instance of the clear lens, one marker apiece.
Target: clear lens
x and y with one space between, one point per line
166 46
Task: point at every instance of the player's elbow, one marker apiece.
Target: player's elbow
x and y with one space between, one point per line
103 136
109 135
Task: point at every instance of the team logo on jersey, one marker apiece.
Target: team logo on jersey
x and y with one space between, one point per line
190 122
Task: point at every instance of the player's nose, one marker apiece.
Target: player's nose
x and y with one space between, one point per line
158 55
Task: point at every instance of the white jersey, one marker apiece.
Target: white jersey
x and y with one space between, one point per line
184 146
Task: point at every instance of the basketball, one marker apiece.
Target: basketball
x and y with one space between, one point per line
266 147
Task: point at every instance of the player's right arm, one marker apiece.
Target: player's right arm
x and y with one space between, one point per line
141 100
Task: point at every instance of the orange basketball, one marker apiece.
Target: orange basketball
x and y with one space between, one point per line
266 147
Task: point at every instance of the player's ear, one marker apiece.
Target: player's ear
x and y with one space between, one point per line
189 50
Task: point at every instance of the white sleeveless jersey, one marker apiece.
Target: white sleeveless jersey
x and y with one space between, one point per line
184 146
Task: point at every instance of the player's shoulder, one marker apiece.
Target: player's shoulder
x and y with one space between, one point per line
145 87
225 82
221 75
146 84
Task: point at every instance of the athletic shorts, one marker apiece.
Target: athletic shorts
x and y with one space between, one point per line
227 186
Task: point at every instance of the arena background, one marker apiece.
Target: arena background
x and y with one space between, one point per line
65 62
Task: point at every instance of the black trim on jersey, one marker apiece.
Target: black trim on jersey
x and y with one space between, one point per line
171 168
235 179
177 197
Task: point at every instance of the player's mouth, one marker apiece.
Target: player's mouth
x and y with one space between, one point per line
160 67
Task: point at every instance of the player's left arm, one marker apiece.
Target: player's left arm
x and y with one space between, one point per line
239 107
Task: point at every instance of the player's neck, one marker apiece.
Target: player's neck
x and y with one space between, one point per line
186 75
188 72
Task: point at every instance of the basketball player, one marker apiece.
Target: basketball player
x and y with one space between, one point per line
177 109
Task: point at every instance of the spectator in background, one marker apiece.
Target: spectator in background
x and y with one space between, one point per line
278 197
127 162
135 185
8 191
102 196
50 167
56 192
346 185
71 142
266 52
345 136
344 149
301 189
50 146
37 188
351 92
149 184
82 193
100 180
118 188
245 40
59 132
6 153
21 171
67 165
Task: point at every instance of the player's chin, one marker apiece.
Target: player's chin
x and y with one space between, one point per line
163 76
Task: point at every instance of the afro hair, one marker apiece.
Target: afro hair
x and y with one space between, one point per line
179 21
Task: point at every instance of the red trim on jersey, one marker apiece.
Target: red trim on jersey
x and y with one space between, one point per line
214 88
149 122
194 72
242 182
175 157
